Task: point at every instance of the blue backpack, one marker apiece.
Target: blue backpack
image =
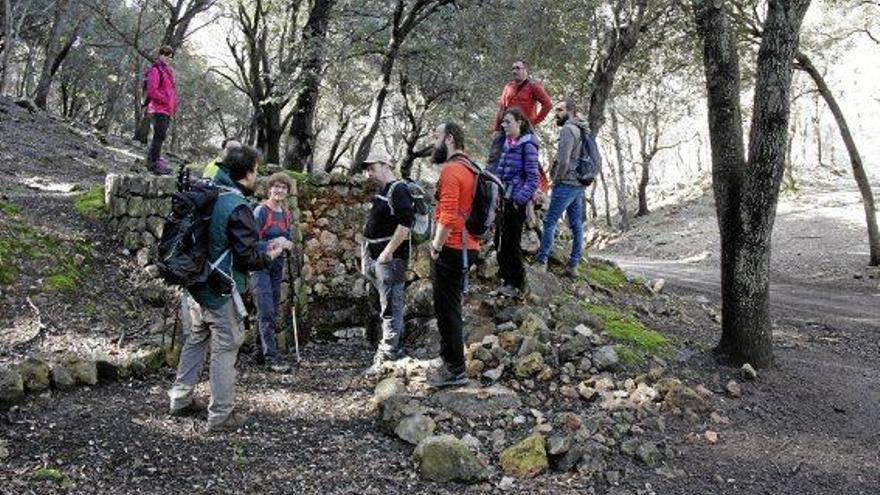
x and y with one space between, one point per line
587 167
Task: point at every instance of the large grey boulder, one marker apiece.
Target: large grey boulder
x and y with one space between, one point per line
415 428
476 402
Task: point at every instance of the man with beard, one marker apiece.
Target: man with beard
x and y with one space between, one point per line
568 193
453 249
385 252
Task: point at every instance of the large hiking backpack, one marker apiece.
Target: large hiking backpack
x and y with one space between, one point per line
145 80
423 222
183 247
488 188
588 164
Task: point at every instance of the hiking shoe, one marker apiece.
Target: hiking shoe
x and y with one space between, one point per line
194 408
280 367
160 167
570 271
445 378
509 291
232 422
541 266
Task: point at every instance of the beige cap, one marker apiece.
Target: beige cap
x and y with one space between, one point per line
377 156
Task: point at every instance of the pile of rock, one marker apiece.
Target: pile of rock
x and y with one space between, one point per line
543 396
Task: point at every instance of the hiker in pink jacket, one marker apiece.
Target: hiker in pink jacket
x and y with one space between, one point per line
161 105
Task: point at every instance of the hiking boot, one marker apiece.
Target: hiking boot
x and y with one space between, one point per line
234 421
279 367
541 266
445 378
194 408
160 167
379 364
570 271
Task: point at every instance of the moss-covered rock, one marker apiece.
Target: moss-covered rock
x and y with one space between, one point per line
11 385
61 377
528 365
526 459
445 458
34 374
82 370
533 325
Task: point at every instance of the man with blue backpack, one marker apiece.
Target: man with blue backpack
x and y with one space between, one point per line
575 168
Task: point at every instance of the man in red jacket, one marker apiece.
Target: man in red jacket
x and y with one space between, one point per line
523 93
161 105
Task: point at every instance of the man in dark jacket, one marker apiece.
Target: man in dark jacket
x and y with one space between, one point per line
217 309
568 192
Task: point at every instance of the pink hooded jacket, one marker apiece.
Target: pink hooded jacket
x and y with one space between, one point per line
162 99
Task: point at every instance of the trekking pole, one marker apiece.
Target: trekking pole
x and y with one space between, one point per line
291 296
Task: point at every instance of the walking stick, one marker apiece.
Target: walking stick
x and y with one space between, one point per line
292 300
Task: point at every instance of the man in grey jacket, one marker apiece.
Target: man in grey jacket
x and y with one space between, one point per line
567 194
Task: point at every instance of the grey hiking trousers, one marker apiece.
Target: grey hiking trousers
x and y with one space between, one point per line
222 328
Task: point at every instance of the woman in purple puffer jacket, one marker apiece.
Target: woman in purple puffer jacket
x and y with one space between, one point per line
518 168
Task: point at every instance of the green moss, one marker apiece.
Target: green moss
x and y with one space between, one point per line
628 329
9 208
91 203
627 355
604 275
65 263
50 474
61 281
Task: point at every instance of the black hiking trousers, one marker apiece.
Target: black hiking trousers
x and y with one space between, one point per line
447 278
508 239
160 130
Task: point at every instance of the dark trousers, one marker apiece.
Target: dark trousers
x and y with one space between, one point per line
160 130
447 277
509 241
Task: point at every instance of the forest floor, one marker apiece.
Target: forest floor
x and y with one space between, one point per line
813 410
806 426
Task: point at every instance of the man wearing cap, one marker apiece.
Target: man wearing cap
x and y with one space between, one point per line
385 252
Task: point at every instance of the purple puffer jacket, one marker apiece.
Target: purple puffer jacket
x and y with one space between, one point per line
518 169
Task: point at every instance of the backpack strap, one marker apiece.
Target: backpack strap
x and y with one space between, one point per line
387 199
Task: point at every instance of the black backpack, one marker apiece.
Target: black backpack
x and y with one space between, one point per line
588 164
183 248
488 188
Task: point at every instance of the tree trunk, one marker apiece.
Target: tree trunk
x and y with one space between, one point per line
746 197
855 159
621 41
643 189
607 201
301 136
8 44
378 105
55 55
621 169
